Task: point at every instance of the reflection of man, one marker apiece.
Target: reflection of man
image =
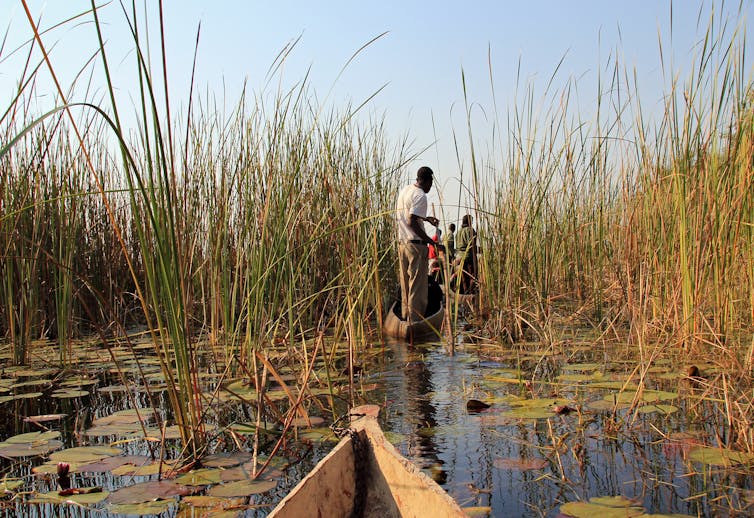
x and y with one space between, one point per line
410 215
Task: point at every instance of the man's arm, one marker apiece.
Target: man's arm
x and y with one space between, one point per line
417 226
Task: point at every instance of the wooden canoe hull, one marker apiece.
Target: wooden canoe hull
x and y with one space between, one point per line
395 327
395 487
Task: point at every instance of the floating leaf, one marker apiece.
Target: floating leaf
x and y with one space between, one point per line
612 501
153 468
646 396
44 418
662 409
200 477
318 435
17 397
32 437
244 472
591 510
141 509
10 484
313 421
13 451
720 456
81 499
226 460
520 464
538 408
31 383
69 393
249 428
580 377
147 491
582 366
170 432
84 454
243 488
109 464
605 405
205 503
618 385
125 416
242 389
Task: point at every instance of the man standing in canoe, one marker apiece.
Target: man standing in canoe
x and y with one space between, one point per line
410 215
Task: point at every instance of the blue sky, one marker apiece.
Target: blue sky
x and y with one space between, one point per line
419 60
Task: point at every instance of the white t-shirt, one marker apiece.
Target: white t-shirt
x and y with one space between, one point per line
411 200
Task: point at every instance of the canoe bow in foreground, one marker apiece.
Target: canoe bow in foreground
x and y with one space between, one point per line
390 484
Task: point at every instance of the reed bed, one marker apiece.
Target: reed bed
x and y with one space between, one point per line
619 221
271 223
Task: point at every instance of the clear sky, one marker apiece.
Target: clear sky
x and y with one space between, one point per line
419 60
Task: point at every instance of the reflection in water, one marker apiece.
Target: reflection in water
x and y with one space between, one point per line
416 394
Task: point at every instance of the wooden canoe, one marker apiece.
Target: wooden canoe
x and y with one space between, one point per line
396 327
394 487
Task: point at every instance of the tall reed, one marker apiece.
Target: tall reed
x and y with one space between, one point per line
619 218
267 224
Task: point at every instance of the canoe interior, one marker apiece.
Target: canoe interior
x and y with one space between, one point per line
431 326
394 486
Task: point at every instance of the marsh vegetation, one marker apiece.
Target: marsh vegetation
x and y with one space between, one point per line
189 301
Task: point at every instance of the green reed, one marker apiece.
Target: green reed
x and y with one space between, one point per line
623 220
263 225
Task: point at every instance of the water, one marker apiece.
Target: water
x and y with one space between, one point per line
530 467
516 458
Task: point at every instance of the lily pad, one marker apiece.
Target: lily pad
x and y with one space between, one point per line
519 464
720 456
618 385
44 418
591 510
148 491
241 389
200 477
69 393
9 485
82 499
661 409
144 470
226 460
318 435
242 488
538 408
32 437
84 454
647 396
125 416
13 451
581 377
141 509
250 428
313 421
109 464
582 366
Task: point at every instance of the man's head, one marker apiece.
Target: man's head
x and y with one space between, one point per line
467 220
452 227
424 178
